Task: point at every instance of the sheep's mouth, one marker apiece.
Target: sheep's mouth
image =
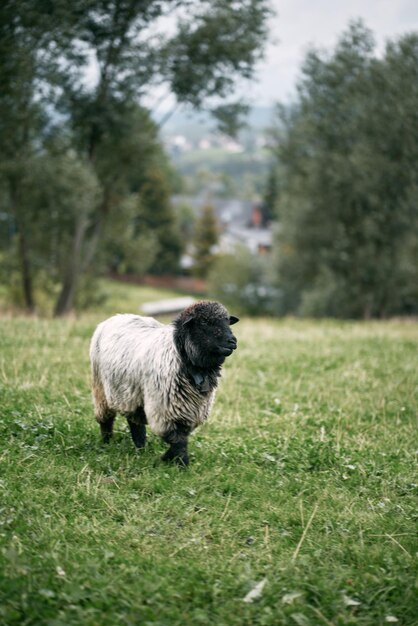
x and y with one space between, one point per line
226 350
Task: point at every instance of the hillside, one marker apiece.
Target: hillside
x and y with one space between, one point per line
215 163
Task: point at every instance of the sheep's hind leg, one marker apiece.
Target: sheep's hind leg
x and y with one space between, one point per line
177 438
104 415
106 426
137 421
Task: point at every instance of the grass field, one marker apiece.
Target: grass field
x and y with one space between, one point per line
300 489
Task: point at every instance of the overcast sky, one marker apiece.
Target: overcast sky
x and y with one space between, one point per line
299 23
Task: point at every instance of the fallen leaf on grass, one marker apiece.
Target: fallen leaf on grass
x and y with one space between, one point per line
269 457
255 592
350 601
46 593
289 598
300 619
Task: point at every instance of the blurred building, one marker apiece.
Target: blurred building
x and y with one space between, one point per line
242 222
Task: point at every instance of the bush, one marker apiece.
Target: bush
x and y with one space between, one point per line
242 282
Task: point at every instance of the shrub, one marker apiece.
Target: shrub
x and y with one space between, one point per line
242 282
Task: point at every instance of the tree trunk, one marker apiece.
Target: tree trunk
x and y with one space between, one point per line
27 285
65 300
79 263
23 250
72 273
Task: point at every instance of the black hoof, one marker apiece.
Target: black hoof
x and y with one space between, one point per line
181 461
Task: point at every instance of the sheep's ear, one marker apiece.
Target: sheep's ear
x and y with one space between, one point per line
233 320
187 320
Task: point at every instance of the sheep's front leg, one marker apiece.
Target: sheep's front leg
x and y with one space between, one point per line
137 421
177 438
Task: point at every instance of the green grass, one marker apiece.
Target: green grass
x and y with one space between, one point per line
303 478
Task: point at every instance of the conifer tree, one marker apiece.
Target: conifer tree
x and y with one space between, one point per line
206 236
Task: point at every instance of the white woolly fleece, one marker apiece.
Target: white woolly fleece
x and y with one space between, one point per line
136 363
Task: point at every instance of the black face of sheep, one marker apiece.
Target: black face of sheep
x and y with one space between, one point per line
203 335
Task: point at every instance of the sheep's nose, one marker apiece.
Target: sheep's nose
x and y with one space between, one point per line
233 342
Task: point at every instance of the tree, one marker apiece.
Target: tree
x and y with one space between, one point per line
29 55
55 197
128 153
214 44
271 194
46 53
206 235
347 150
156 215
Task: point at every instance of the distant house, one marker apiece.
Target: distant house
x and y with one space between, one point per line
242 223
177 144
230 145
250 230
257 240
204 144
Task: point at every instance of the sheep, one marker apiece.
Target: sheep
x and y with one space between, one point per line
163 375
